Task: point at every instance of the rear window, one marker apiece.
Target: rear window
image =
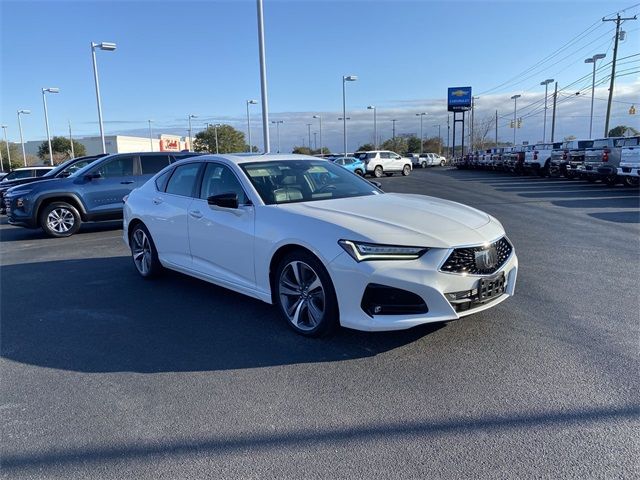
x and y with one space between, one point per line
585 144
153 163
601 143
627 142
364 155
183 180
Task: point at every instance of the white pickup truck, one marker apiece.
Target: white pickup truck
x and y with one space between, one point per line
629 169
538 159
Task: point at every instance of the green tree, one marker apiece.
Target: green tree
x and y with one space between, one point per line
230 140
61 147
365 148
302 150
16 156
413 145
622 130
397 145
432 144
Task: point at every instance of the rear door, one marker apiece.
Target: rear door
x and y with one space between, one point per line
152 164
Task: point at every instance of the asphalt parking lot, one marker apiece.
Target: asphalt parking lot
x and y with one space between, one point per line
105 375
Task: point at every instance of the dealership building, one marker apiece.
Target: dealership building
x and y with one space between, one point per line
123 144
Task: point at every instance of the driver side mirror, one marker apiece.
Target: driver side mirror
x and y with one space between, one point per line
224 200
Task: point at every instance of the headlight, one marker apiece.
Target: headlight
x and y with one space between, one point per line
361 252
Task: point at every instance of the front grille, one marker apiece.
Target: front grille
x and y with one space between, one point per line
463 260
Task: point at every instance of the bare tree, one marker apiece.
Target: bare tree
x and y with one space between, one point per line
482 130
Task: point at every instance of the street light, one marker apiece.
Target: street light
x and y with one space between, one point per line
394 131
439 140
46 117
544 125
421 115
309 133
249 102
109 47
277 123
375 126
345 79
593 60
6 144
150 135
315 140
24 155
190 139
319 117
515 109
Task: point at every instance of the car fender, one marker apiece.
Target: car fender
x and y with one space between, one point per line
61 195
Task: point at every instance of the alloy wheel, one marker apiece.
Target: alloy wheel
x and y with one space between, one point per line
302 295
141 251
60 220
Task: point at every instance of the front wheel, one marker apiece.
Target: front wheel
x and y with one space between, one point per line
305 295
442 162
423 164
377 172
60 219
143 252
406 170
359 173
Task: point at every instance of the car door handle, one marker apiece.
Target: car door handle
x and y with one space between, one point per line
195 213
127 182
157 201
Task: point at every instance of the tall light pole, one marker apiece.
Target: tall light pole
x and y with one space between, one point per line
515 111
439 140
375 126
73 154
277 124
263 79
249 102
593 60
393 132
345 79
109 47
190 132
315 140
215 133
309 134
421 115
24 155
319 117
46 117
150 135
544 125
6 144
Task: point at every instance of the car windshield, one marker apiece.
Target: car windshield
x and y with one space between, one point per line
18 174
70 166
289 181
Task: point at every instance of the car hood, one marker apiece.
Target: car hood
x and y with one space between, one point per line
403 219
22 181
39 184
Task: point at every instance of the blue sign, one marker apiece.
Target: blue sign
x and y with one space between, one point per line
459 99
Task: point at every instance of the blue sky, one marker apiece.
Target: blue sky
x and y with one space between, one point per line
176 58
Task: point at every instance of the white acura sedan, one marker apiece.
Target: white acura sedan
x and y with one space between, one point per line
326 246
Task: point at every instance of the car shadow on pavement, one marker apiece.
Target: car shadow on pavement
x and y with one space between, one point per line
617 217
17 234
100 316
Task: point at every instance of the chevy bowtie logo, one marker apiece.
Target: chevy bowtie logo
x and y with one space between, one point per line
486 259
459 93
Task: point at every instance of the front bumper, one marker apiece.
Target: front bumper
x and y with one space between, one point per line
21 216
421 277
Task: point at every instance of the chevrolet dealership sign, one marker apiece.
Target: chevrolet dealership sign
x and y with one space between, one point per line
459 99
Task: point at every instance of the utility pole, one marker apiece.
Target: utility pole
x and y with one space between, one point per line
553 120
496 128
394 131
73 154
618 19
448 132
473 99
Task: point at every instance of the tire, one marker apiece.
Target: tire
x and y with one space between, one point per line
423 164
60 219
611 180
303 286
359 172
406 170
629 181
442 162
143 252
377 172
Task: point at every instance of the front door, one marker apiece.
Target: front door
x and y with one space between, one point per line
221 239
113 179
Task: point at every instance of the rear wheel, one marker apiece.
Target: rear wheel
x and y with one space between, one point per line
406 170
305 295
359 172
143 252
60 219
377 172
423 164
631 181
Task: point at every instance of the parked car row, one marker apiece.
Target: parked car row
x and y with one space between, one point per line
428 159
611 160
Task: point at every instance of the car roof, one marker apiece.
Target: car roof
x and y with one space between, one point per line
39 167
253 158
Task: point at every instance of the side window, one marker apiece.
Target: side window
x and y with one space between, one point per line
153 163
384 155
219 179
40 172
75 167
183 179
161 181
340 161
117 167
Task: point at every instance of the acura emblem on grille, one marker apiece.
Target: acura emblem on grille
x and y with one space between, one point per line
486 259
